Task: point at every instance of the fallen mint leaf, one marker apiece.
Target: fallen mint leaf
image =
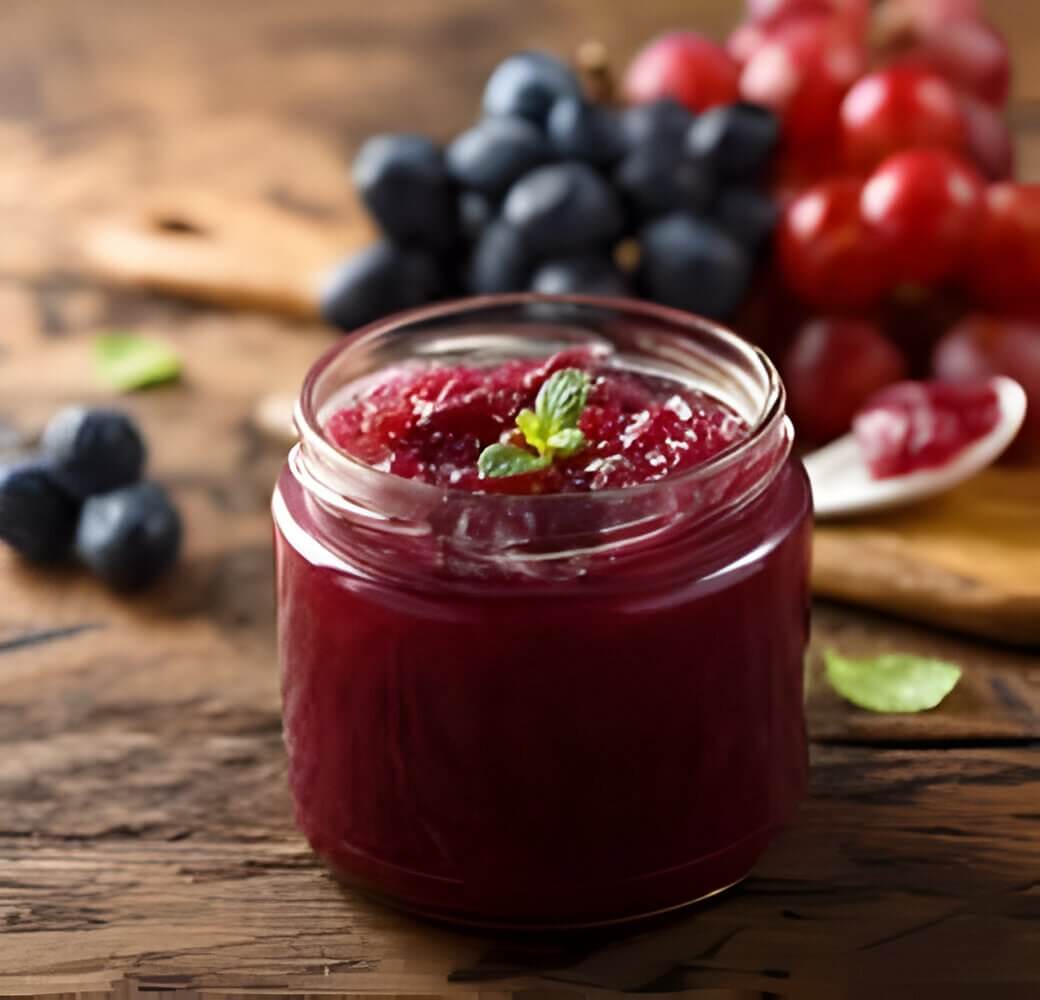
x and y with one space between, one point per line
129 362
892 682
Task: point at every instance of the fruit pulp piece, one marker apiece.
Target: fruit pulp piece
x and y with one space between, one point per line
432 423
912 426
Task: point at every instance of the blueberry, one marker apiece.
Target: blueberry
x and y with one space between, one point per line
93 451
500 261
749 216
494 153
475 211
579 130
693 265
129 537
737 139
656 179
37 517
664 122
403 181
563 208
378 280
589 274
526 84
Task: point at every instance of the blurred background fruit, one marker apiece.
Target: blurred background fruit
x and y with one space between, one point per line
834 180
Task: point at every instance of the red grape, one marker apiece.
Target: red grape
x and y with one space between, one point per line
856 11
746 40
1005 272
686 66
971 54
827 255
925 205
803 71
989 139
901 18
982 346
831 369
900 107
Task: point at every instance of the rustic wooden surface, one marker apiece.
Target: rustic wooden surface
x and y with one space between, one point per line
145 836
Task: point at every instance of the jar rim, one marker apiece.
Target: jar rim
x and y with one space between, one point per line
313 438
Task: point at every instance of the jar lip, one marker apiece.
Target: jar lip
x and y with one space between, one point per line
312 434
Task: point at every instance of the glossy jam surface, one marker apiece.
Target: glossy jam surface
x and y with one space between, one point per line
431 423
912 426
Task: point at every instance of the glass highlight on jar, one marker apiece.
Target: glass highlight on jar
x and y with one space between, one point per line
550 710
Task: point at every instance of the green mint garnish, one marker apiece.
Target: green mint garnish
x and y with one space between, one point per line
892 682
551 428
129 362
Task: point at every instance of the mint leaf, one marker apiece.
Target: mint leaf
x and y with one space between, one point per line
567 441
531 427
500 460
892 682
561 399
129 362
551 428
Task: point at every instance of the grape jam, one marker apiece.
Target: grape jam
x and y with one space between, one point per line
923 425
552 701
431 424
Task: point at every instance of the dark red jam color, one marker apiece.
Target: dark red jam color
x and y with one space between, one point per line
912 426
431 423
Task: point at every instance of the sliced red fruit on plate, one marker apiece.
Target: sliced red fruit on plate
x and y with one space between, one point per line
911 426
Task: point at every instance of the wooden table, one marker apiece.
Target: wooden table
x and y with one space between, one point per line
145 832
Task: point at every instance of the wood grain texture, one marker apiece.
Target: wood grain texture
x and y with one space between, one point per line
968 560
145 837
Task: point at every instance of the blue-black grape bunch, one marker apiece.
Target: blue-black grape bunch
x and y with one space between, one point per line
83 494
543 190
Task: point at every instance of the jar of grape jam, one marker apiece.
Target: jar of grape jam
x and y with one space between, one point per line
564 697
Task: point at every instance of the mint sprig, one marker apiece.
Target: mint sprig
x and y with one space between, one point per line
551 428
892 682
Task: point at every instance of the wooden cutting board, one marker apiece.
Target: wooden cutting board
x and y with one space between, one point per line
968 561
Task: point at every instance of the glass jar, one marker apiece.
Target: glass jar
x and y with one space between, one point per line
552 710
